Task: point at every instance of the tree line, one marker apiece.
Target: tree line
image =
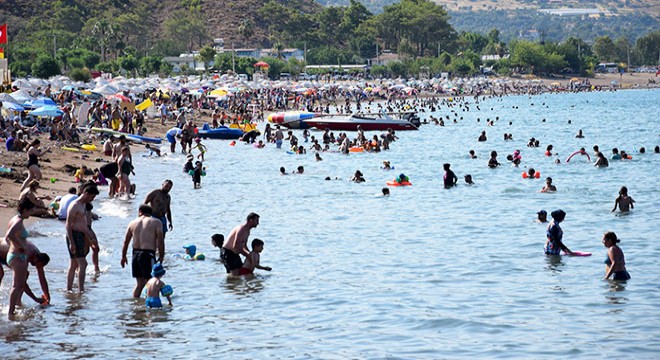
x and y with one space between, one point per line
72 41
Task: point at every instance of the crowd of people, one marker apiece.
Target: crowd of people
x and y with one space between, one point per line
146 234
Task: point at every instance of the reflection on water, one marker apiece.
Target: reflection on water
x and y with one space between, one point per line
426 269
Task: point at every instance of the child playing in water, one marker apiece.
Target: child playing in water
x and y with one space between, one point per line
624 202
155 287
252 260
192 254
201 147
197 174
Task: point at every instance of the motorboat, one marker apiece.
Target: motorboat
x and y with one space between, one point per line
366 122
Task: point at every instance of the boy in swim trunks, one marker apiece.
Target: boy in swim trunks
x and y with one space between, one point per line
155 287
252 260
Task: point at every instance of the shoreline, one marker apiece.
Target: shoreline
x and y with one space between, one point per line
57 163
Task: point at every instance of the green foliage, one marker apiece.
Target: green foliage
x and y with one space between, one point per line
648 47
79 74
206 55
45 67
150 65
276 67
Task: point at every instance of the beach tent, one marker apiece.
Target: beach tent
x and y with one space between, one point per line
47 111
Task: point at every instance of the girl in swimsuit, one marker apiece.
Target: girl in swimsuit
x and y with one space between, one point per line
615 263
34 172
16 236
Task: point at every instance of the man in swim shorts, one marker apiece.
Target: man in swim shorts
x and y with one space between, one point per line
78 235
147 235
160 200
236 244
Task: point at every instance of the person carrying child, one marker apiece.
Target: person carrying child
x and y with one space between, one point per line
156 287
252 260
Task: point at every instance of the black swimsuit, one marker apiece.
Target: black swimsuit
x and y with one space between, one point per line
32 160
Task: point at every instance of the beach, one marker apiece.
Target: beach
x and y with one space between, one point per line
442 273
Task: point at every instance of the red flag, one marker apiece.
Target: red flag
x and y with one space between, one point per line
3 34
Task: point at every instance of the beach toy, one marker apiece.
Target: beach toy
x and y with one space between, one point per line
70 149
53 180
4 169
537 175
166 290
88 147
396 183
578 253
356 149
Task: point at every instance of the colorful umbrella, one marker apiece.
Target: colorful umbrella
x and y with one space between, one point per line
47 111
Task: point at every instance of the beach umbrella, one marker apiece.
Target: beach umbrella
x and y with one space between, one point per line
118 97
12 106
218 93
42 101
50 110
23 96
6 98
261 64
23 84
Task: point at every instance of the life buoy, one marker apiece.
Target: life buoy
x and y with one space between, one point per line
537 175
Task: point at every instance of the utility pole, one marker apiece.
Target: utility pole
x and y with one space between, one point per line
54 46
628 63
438 49
377 55
233 62
305 52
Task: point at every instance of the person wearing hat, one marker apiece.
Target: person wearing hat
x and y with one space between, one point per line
192 254
555 234
542 216
156 287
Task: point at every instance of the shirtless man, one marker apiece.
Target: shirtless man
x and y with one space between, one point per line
236 244
159 200
147 235
279 136
78 236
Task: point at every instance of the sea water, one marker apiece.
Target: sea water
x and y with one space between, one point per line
425 273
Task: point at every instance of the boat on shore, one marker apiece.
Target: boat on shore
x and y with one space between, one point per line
222 132
367 122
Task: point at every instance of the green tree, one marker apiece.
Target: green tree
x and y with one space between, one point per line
150 65
129 63
45 67
103 31
80 74
246 30
206 55
605 49
648 47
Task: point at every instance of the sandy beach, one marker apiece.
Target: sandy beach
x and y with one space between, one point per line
60 164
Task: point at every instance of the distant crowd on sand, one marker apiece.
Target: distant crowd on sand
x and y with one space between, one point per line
146 233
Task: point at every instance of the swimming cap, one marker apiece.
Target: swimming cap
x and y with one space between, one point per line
192 249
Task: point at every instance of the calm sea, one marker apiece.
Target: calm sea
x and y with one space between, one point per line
426 273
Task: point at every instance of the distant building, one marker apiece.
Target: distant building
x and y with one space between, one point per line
184 59
384 59
575 12
530 35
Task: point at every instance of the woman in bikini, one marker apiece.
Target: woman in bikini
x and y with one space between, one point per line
17 256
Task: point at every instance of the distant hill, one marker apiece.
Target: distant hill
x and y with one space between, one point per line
627 18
